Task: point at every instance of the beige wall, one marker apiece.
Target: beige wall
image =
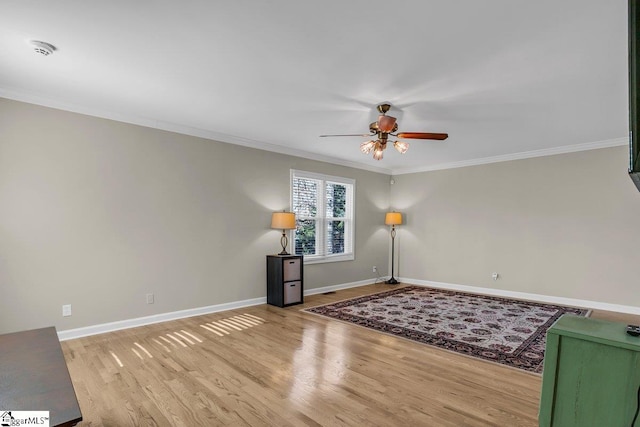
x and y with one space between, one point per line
565 225
97 213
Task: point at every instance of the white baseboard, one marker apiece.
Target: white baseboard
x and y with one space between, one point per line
156 318
526 296
334 288
174 315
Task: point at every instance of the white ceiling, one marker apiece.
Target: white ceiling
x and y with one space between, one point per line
502 77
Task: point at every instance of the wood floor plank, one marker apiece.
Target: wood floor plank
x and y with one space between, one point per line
265 365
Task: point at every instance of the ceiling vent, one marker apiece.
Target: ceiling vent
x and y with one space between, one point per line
42 48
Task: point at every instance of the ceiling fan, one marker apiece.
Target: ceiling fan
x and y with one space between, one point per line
385 126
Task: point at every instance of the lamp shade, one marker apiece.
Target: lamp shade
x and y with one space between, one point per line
283 220
393 218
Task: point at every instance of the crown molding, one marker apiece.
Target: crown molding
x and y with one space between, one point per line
280 149
519 156
185 130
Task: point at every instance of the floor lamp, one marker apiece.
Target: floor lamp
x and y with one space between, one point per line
393 219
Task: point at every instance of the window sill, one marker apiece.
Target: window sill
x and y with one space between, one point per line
322 260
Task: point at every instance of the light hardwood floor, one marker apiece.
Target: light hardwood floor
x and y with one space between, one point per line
290 369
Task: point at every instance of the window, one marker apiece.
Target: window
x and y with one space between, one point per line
324 216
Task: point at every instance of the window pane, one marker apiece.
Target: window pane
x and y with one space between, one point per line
324 216
335 237
336 200
305 240
305 192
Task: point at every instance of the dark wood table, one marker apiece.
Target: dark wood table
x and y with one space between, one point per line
34 376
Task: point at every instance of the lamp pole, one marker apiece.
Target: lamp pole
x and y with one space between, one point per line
392 280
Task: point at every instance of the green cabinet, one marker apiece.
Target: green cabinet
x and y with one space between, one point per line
591 374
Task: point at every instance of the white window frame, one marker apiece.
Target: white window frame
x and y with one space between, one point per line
349 219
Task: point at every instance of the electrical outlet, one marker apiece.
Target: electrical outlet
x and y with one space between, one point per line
150 299
495 276
66 310
375 269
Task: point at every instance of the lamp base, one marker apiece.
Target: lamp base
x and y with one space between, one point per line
392 281
283 243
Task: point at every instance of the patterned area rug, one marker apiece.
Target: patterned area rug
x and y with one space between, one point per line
506 331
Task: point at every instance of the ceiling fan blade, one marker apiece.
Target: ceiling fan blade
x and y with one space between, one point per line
353 134
423 135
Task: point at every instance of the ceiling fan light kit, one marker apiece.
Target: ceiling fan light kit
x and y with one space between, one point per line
401 146
367 146
379 150
385 126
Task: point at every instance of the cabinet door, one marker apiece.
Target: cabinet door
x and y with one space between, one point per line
596 384
292 292
291 269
